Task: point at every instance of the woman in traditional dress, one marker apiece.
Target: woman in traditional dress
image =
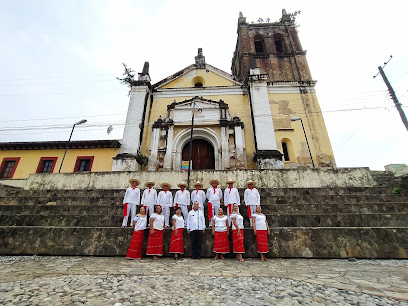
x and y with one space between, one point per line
237 232
261 231
176 240
220 231
139 226
155 242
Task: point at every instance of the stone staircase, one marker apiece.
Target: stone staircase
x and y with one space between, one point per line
338 222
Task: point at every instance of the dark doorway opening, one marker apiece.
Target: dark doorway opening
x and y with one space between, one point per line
202 154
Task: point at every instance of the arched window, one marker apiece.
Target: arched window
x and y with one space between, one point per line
279 42
287 150
259 43
198 81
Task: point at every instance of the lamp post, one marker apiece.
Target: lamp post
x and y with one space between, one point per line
66 148
304 132
191 144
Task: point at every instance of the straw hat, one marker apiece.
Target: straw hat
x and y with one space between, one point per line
134 180
182 184
230 181
250 182
165 184
150 182
214 181
198 183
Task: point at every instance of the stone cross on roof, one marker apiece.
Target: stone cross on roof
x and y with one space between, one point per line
200 58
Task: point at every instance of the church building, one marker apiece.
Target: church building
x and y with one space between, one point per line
265 115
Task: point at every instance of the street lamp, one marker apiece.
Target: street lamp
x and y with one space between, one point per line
304 132
66 148
191 143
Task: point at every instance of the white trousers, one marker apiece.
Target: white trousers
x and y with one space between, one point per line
228 213
215 211
149 211
184 210
131 210
253 211
166 214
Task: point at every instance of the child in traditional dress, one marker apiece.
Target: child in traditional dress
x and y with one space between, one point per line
130 201
155 242
176 240
237 233
261 231
220 231
139 226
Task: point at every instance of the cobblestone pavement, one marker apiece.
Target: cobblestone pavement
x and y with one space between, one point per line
35 280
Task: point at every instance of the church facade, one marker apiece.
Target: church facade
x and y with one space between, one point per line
265 115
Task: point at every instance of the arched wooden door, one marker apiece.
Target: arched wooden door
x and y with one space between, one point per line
202 154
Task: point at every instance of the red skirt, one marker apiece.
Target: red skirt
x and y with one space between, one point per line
136 245
177 242
262 241
221 243
238 242
155 243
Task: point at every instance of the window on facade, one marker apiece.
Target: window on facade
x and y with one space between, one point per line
198 84
259 44
46 164
83 163
278 38
8 167
285 151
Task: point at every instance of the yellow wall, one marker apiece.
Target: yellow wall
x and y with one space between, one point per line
188 80
29 159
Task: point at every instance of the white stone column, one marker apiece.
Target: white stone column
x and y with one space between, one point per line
169 148
239 146
154 145
225 146
125 160
267 152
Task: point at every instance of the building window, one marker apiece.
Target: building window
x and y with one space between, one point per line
285 151
278 38
83 163
8 167
198 81
259 43
46 164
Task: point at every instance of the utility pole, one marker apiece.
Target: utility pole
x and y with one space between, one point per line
393 95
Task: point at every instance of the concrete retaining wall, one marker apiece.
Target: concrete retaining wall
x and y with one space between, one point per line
283 178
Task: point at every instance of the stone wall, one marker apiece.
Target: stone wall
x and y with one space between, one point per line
282 178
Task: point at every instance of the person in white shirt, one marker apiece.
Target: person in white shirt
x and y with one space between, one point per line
198 195
237 232
165 200
214 196
155 242
261 231
220 231
196 228
130 201
231 196
149 198
139 226
182 200
252 199
176 239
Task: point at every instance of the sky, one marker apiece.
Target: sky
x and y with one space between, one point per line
59 61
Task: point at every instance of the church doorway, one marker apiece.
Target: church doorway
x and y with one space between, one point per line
202 154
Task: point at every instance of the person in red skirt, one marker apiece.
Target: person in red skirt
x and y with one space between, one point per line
139 226
176 240
261 231
220 231
155 242
237 232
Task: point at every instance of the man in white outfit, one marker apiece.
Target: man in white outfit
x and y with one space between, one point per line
165 200
149 198
252 199
131 200
231 196
182 200
198 195
214 196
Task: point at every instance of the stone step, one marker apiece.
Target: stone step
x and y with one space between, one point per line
313 242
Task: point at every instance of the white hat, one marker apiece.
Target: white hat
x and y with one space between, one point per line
134 180
182 184
214 181
250 182
165 184
198 183
149 183
230 181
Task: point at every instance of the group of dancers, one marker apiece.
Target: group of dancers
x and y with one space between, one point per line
155 211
